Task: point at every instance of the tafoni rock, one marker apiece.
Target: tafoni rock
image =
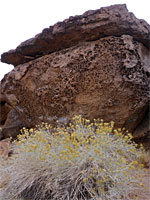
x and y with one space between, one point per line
96 64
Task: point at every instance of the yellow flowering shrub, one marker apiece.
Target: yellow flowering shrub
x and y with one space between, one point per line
81 161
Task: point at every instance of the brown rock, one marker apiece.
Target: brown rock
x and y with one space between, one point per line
12 126
96 65
109 21
142 131
1 135
99 79
4 109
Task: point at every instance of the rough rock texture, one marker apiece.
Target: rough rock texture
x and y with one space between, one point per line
142 132
12 125
104 72
4 109
92 25
103 78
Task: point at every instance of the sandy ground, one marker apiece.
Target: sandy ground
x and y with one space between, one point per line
144 192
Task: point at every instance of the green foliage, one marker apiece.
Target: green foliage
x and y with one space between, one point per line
82 161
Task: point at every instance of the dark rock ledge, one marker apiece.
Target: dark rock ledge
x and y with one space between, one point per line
92 25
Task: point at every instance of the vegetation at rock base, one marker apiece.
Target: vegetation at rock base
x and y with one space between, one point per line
81 161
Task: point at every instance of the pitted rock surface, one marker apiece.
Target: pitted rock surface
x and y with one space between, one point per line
107 78
108 21
96 64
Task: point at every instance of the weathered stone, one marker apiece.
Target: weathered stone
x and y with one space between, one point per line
92 78
1 135
12 126
142 131
96 65
4 109
109 21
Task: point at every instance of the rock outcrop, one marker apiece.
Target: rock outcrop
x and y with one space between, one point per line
10 123
92 25
96 65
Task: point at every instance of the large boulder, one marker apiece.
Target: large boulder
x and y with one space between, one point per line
96 65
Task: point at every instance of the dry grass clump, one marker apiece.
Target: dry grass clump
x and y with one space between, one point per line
82 161
145 159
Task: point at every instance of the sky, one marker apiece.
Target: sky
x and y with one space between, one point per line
23 19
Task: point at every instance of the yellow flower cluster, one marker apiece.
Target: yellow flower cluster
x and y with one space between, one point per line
101 156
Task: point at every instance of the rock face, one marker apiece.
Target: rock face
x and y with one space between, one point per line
10 123
92 25
5 108
96 65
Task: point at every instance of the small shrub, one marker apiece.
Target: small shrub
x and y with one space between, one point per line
82 161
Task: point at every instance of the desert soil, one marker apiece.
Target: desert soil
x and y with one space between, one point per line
144 192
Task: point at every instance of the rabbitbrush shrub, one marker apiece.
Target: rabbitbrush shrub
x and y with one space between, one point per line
82 161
